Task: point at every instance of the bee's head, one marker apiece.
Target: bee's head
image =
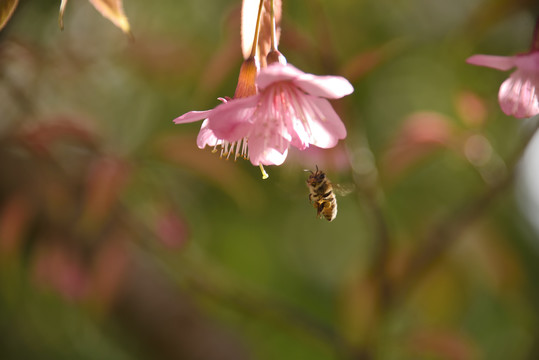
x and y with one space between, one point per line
316 177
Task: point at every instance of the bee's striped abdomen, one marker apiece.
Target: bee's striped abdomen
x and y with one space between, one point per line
322 195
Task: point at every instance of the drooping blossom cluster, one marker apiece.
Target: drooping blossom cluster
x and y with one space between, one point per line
290 108
518 95
273 108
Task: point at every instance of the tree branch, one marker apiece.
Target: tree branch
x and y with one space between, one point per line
447 231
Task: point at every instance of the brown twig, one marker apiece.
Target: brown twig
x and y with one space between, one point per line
448 230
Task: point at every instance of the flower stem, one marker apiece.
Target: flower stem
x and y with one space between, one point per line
274 55
273 38
257 30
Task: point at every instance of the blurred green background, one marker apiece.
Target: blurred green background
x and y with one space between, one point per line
120 239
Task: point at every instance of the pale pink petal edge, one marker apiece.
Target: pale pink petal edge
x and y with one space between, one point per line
268 156
503 63
331 87
192 116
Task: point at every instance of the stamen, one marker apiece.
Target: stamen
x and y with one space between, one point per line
238 148
264 173
244 150
224 149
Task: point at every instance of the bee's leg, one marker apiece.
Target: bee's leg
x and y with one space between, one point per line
319 206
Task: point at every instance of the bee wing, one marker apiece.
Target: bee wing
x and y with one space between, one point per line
344 189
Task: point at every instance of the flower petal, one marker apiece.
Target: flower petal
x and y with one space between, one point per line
206 136
332 87
275 73
496 62
528 62
192 116
518 95
326 127
298 116
232 121
259 154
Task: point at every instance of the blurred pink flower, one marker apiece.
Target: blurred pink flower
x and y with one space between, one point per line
171 229
60 269
290 108
518 95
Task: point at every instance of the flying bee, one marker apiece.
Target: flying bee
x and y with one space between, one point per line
322 195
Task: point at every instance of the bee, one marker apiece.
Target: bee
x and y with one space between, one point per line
322 195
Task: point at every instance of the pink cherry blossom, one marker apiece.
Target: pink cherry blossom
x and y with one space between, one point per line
518 94
290 108
207 137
